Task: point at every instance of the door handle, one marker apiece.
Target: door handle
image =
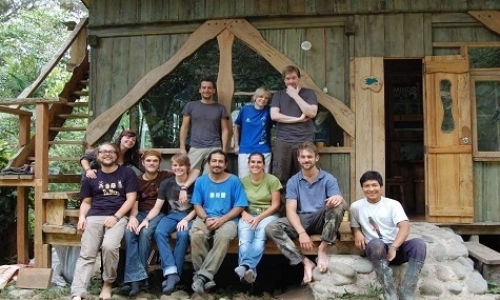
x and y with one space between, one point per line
466 140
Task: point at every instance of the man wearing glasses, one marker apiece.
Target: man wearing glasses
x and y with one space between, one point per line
106 200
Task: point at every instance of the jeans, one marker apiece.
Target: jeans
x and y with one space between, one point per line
97 236
252 242
138 248
172 262
207 261
414 249
325 222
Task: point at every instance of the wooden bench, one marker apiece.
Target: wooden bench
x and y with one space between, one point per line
486 260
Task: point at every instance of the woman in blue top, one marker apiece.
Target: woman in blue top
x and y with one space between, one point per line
252 131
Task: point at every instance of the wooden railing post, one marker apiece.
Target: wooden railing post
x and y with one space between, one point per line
42 252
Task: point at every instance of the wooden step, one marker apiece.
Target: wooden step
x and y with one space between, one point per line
72 212
73 116
66 142
483 253
61 195
65 229
86 82
74 104
67 128
81 93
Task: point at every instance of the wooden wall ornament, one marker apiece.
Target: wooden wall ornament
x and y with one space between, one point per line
242 30
372 83
490 19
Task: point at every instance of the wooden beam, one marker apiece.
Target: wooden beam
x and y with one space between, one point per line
225 80
13 111
103 122
22 225
41 167
344 116
49 66
490 19
26 101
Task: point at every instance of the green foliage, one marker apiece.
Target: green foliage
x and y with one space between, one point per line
493 287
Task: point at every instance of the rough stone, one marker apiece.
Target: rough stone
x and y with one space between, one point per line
430 288
454 287
22 293
448 273
476 284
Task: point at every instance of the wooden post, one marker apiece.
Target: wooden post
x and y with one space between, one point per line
22 225
41 169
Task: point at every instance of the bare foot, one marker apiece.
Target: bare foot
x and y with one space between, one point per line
106 291
308 270
323 257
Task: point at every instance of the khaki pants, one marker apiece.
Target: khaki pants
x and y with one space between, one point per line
96 236
206 260
198 158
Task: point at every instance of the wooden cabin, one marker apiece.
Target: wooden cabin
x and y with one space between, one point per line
410 88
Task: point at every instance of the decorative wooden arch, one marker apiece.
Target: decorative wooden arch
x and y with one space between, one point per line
225 31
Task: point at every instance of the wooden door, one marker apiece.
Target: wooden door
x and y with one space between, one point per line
448 144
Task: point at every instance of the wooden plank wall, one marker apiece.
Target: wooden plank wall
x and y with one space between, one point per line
123 61
111 12
486 191
370 116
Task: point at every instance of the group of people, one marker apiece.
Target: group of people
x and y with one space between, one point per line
209 211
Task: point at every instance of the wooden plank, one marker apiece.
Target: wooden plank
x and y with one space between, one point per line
24 130
54 211
394 35
22 225
62 239
120 68
483 253
441 211
72 213
225 80
490 19
61 195
252 37
375 35
15 111
28 101
34 278
458 66
50 228
449 149
41 167
413 31
103 122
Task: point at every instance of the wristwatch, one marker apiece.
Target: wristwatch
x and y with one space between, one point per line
392 247
117 218
204 219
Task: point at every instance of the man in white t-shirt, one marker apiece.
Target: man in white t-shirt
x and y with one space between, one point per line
380 228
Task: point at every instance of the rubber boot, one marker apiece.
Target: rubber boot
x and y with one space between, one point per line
408 285
384 276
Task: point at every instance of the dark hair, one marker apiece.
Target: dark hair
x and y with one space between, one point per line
371 175
132 155
116 147
257 154
308 146
290 69
218 151
207 79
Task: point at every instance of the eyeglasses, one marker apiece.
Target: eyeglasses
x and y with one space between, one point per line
107 152
152 160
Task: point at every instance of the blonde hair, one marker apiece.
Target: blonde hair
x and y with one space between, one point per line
260 92
181 159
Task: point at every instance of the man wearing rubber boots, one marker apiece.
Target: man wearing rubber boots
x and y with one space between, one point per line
380 228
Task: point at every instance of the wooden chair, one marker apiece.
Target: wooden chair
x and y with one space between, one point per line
395 189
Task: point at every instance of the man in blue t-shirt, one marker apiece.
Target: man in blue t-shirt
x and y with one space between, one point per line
218 199
314 205
106 200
